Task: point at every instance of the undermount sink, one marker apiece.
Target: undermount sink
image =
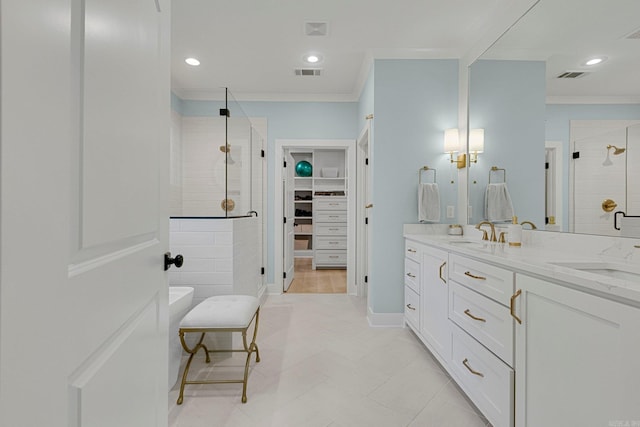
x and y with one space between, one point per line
607 269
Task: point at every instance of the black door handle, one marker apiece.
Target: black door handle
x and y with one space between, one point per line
177 261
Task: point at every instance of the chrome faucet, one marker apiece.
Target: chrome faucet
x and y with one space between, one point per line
491 238
533 226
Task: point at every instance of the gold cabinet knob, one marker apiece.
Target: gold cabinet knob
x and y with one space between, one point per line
609 205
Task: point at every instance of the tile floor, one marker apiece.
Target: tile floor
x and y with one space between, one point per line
323 366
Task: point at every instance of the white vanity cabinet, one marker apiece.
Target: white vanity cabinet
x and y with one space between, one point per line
482 355
434 295
426 296
577 358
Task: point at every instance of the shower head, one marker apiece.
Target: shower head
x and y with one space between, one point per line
616 150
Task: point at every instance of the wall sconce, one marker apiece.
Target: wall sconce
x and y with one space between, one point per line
476 144
452 145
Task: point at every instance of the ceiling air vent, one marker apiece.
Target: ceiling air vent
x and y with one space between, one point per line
308 72
572 74
316 28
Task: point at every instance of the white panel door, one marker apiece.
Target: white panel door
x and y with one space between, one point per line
289 211
84 218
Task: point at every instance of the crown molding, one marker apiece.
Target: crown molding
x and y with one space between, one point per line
593 100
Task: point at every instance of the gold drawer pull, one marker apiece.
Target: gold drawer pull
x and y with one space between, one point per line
479 319
409 307
440 274
411 250
411 275
465 362
512 305
466 273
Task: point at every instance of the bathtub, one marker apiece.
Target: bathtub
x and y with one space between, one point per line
180 299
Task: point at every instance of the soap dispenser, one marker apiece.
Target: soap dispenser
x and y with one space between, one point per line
515 232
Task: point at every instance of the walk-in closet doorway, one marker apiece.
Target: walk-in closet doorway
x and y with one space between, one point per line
317 205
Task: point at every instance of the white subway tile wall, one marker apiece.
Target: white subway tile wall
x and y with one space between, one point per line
220 256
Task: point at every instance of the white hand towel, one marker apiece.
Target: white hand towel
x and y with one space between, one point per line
428 202
498 206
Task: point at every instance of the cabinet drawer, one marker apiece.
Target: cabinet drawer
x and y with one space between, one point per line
330 242
331 229
484 319
412 274
494 282
491 386
330 216
330 204
412 308
325 257
412 250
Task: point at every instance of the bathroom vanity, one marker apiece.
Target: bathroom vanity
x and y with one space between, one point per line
546 334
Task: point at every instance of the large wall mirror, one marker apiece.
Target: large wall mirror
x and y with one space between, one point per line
555 140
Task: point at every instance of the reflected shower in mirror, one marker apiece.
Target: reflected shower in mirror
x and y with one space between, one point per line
532 91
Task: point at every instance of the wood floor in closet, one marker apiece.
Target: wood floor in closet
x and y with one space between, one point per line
322 281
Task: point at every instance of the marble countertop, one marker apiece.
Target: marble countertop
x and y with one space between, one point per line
540 258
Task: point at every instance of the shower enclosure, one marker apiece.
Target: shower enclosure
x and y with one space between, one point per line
216 203
605 176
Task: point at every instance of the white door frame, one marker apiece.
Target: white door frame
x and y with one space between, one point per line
363 197
350 146
556 168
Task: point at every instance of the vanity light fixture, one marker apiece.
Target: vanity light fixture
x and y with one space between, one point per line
452 145
192 61
476 144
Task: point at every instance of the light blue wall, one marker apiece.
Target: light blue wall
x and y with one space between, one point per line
507 100
414 102
558 126
287 120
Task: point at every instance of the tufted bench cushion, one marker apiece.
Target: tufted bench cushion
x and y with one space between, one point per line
222 311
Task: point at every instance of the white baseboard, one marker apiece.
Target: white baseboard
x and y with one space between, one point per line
273 289
385 320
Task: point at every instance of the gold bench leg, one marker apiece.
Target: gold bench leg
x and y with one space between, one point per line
192 352
249 349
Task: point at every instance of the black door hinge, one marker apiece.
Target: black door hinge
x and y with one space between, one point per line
225 112
262 271
284 274
366 221
576 154
285 220
366 161
285 163
261 153
366 279
546 165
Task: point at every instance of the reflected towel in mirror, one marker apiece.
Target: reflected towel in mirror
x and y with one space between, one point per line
428 202
497 203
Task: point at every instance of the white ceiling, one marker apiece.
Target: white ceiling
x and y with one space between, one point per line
253 46
566 33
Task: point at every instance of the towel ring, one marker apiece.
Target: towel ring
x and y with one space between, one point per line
495 169
425 169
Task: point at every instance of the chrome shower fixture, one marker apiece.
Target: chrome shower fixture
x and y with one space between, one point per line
616 150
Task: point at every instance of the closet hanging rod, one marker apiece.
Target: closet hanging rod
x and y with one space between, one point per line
426 169
495 169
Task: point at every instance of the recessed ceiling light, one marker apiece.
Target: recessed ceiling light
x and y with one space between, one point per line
312 58
192 61
596 60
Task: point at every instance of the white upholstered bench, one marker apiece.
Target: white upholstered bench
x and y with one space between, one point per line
223 313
